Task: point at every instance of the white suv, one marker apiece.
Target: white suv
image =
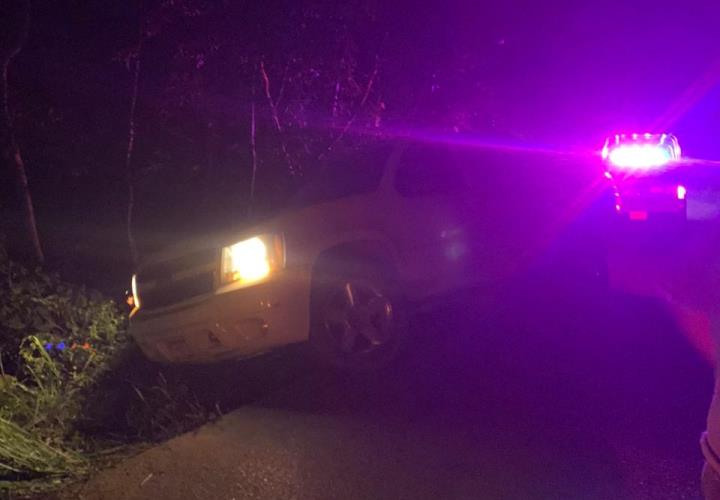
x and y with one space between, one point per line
372 235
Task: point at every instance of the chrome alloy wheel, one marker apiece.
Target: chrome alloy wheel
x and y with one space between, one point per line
358 318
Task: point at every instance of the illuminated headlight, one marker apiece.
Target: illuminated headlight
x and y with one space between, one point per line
252 260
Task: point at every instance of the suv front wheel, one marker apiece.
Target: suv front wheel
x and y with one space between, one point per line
358 318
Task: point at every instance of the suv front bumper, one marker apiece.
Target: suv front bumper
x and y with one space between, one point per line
234 324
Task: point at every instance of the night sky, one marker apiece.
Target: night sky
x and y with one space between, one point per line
558 73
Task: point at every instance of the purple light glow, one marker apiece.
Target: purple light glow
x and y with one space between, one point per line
489 142
638 215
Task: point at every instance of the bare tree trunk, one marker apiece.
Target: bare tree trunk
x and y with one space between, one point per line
276 117
11 155
253 153
129 171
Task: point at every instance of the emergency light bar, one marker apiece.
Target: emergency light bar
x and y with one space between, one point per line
640 151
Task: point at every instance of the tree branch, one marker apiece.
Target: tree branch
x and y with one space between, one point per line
366 94
336 98
129 171
19 37
9 148
253 152
281 92
275 116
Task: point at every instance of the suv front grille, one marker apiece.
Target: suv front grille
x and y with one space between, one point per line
169 282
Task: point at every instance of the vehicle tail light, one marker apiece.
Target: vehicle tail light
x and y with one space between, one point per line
681 192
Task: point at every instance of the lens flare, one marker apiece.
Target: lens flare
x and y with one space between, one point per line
639 156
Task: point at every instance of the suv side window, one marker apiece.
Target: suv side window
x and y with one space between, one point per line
428 171
353 172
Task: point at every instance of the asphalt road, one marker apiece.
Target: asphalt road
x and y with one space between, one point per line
578 396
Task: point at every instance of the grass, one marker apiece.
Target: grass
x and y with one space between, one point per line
25 456
73 385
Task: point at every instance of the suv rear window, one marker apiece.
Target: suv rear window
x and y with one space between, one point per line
448 169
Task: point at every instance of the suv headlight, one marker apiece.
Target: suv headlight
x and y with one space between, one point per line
252 260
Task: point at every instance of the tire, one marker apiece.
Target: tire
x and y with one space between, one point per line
358 317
